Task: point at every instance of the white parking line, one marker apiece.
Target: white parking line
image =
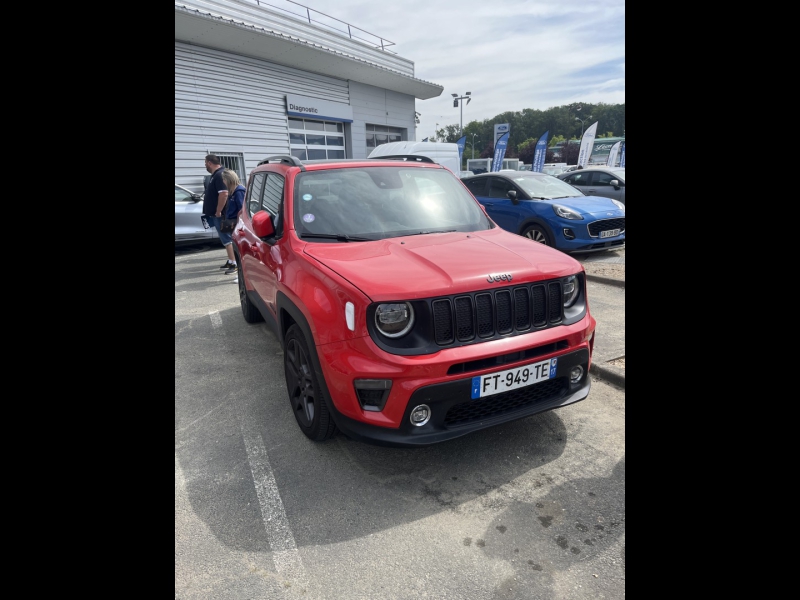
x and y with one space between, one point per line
279 534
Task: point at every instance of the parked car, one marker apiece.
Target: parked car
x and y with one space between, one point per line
598 181
189 227
550 211
406 316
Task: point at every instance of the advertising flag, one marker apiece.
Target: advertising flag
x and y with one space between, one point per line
425 140
587 145
499 152
612 155
622 156
461 143
539 153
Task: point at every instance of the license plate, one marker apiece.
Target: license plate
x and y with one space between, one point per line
609 233
512 379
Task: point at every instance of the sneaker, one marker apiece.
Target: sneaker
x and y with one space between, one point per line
227 265
236 279
231 269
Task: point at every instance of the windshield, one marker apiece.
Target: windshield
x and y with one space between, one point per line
371 203
546 187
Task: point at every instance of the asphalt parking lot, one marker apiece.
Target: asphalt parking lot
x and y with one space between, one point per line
532 509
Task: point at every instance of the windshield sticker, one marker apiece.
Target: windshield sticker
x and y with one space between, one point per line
307 197
308 217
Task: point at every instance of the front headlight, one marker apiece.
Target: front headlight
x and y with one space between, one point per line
570 286
566 213
619 204
394 320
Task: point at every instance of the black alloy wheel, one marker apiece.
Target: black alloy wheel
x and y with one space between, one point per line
305 395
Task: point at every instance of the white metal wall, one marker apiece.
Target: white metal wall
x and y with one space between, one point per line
380 107
230 103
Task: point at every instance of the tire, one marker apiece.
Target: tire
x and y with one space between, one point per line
249 311
305 394
537 234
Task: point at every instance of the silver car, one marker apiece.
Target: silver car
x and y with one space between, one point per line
189 227
598 181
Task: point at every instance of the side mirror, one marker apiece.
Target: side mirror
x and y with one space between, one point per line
512 194
263 227
615 183
196 197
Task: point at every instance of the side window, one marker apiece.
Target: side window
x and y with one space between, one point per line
273 194
601 179
498 188
182 195
579 179
273 200
254 193
476 186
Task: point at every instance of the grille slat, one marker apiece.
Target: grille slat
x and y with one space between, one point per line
499 312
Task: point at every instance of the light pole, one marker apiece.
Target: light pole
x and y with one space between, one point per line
436 132
456 98
582 120
473 144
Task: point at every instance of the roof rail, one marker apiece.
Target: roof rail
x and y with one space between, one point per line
406 157
285 159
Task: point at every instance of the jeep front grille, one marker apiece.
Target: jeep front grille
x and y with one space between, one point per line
498 312
505 402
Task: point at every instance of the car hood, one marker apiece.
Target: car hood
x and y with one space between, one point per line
421 266
590 205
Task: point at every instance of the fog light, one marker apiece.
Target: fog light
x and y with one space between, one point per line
569 234
420 415
575 374
372 393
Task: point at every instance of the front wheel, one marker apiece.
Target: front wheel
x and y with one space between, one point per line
537 234
305 393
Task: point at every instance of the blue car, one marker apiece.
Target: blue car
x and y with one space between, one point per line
550 211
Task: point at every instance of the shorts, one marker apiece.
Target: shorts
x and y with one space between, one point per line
215 222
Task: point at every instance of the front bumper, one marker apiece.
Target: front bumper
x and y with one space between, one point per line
454 413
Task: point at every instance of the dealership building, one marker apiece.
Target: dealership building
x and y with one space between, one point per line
254 80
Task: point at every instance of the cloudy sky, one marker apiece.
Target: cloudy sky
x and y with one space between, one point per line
510 55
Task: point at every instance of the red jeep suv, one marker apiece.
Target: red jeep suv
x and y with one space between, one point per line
406 315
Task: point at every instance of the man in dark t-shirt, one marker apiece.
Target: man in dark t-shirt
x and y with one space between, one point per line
213 203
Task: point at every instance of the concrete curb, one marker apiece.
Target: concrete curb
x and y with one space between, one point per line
609 373
607 280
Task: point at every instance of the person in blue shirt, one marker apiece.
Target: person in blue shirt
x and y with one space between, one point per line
214 203
235 202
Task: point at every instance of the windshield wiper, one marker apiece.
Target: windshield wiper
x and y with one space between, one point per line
427 232
339 237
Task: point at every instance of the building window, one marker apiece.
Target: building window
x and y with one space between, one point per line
310 140
234 162
382 134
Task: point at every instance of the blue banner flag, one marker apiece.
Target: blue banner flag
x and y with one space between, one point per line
461 143
539 153
622 155
499 152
